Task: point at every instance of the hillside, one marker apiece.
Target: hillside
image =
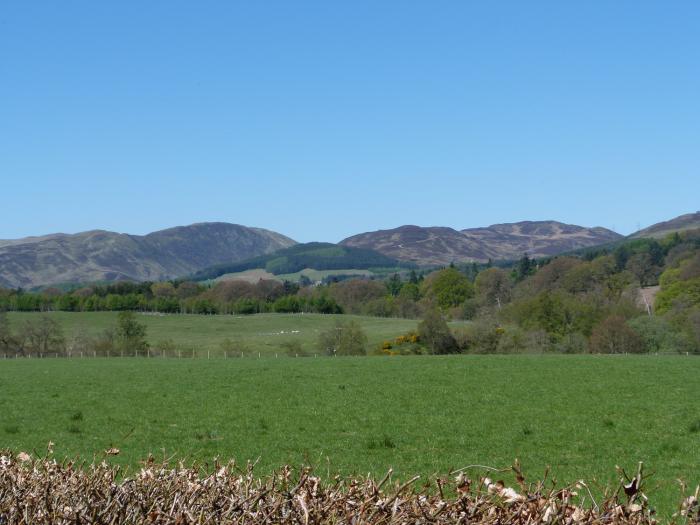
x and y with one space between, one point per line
108 256
313 255
441 246
689 221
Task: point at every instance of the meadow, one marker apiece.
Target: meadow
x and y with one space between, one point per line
203 334
580 415
253 276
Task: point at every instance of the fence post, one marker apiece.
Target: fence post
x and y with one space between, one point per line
94 353
207 354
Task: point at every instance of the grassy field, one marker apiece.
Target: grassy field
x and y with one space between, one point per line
253 276
582 415
264 333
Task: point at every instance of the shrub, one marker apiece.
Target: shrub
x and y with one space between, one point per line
436 335
130 334
166 346
294 348
574 343
657 335
614 336
233 346
345 338
480 337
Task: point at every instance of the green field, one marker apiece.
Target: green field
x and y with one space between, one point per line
581 415
264 333
253 276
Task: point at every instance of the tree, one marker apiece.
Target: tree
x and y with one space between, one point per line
394 285
524 268
44 335
410 291
614 336
493 287
231 291
187 289
343 339
448 287
642 266
163 290
130 334
658 335
354 294
8 341
269 290
435 334
551 276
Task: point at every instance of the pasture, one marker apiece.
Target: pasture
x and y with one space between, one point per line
261 333
253 276
581 415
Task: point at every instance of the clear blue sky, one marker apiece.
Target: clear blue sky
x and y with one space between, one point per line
324 119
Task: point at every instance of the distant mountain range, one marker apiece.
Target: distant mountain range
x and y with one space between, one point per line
215 248
107 256
441 246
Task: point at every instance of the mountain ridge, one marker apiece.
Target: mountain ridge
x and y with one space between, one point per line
499 241
101 255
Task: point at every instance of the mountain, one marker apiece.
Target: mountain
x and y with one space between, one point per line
436 246
433 246
312 255
538 238
107 256
689 221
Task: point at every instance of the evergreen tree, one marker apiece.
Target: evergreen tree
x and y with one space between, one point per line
394 285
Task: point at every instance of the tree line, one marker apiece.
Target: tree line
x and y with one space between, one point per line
587 302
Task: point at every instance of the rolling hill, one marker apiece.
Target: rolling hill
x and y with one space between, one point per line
108 256
440 246
689 221
313 255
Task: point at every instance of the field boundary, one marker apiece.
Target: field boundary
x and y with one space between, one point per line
209 355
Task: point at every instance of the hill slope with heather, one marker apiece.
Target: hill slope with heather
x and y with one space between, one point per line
441 246
108 256
689 221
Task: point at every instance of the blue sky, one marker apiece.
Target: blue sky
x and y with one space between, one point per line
324 119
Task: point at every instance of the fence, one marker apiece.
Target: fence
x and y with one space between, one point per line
155 354
195 354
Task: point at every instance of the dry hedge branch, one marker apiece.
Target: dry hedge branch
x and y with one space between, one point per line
44 491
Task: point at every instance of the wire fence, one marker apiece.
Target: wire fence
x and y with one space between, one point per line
208 354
